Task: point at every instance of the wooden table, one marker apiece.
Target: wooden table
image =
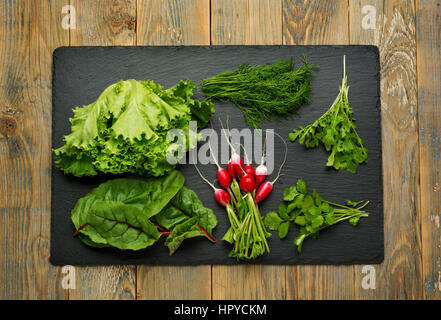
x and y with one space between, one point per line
408 35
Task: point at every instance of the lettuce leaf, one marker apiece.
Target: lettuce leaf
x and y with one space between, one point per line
125 129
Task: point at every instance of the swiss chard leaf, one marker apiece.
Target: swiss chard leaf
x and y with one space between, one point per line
186 217
149 196
139 208
123 226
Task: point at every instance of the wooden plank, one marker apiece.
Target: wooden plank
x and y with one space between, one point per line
400 275
306 23
29 32
239 22
315 22
247 22
428 25
173 22
104 22
98 283
174 282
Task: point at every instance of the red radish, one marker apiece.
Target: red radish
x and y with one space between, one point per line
235 165
239 170
247 183
220 195
249 170
231 171
224 178
261 173
263 191
266 187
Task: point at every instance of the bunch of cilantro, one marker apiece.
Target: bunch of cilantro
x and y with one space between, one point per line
311 213
337 131
125 129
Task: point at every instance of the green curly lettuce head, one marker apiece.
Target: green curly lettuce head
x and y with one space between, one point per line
125 129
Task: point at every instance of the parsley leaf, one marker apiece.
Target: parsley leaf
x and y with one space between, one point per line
336 130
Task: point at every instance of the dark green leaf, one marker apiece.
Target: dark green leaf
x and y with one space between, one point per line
354 220
290 193
307 203
291 207
330 218
186 217
317 222
283 229
272 220
122 225
300 220
283 213
149 196
301 186
317 198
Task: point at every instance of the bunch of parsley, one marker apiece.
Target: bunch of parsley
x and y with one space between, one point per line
337 131
311 213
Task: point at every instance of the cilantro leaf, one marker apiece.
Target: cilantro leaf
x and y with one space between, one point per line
311 213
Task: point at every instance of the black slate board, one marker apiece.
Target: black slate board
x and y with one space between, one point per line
80 74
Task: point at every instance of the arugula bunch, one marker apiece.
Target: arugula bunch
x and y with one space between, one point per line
133 214
311 213
273 92
337 131
125 129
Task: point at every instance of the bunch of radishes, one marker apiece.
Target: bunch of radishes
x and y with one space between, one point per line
243 187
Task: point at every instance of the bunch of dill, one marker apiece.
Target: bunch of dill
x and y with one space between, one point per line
273 92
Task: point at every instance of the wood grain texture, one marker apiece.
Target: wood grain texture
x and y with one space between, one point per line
241 22
400 275
248 22
428 23
109 283
174 22
305 23
315 22
104 22
408 35
174 282
29 31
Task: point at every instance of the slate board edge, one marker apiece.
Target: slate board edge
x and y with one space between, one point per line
376 260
